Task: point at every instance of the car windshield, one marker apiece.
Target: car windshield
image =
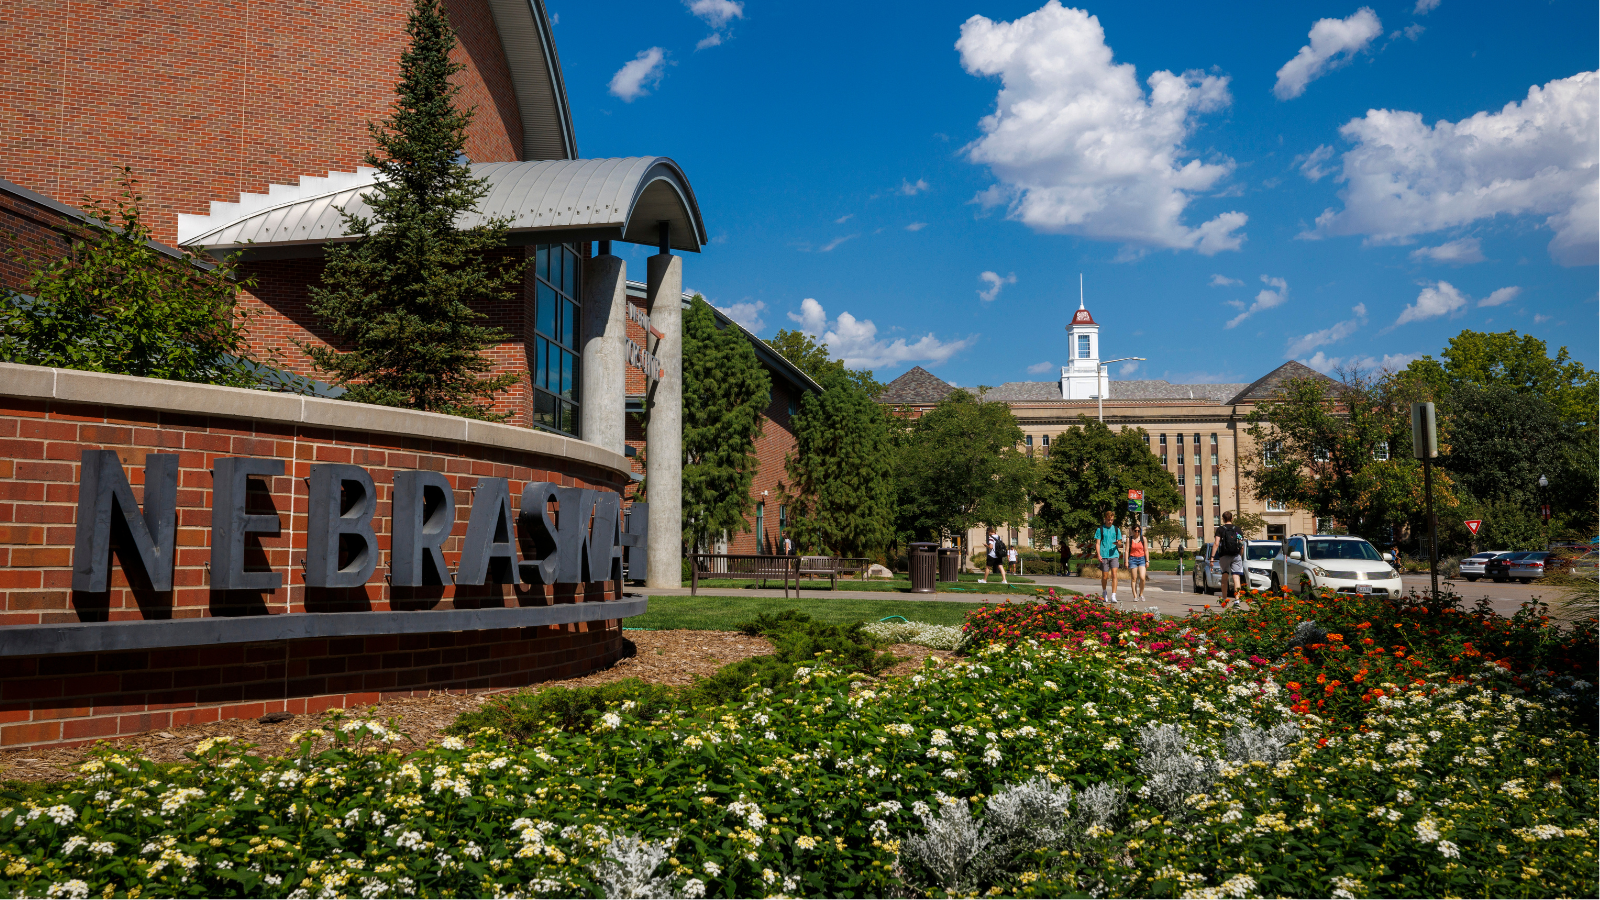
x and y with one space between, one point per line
1523 555
1264 551
1342 549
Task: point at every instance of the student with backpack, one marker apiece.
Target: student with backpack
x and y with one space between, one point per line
1108 544
1227 548
995 558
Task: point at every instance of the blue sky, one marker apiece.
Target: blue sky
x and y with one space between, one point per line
1330 181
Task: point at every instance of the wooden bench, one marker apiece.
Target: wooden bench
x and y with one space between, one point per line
832 567
744 567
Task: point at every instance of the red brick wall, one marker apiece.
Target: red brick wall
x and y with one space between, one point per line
74 698
772 448
34 235
205 106
80 696
41 444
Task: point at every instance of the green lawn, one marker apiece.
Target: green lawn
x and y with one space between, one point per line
967 584
723 613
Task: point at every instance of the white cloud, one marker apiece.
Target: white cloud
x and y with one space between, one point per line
1078 146
836 242
1413 31
910 189
1534 157
844 218
713 39
716 13
636 78
1333 43
1462 252
1041 368
1225 281
1438 299
1424 7
1127 368
916 226
1541 318
1504 295
746 314
1311 163
856 342
1390 362
1331 335
995 283
1275 292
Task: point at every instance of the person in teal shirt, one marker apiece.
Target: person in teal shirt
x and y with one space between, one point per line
1108 543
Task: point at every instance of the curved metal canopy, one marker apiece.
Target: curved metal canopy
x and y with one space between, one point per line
556 200
535 69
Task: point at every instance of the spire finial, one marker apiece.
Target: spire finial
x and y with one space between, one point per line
1080 290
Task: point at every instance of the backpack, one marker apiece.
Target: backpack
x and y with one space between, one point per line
1232 545
999 548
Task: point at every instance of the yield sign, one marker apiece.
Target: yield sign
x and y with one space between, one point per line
1474 524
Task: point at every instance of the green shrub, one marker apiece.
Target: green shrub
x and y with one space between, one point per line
731 681
521 715
772 622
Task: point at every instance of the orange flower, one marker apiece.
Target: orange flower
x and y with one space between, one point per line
1336 637
1322 679
1293 685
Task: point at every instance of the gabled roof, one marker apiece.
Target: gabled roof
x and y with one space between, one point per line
1268 385
548 200
914 388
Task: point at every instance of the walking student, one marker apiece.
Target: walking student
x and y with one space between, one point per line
1138 560
1011 560
1108 543
1227 548
994 557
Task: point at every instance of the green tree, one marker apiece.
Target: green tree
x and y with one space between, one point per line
1090 471
1520 362
114 303
725 391
812 358
1250 524
1168 531
840 489
959 468
401 299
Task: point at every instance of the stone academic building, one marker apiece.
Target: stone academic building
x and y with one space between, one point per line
1198 430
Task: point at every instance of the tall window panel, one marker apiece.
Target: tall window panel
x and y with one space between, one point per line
557 331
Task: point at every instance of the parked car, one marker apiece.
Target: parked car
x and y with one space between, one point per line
1499 569
1530 565
1207 575
1472 566
1340 563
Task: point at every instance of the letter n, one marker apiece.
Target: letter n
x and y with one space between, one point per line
103 496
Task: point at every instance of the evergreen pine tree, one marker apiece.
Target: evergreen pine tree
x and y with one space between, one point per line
725 393
841 494
400 299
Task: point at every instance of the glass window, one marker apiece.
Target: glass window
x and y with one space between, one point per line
1276 506
1180 478
1381 452
1083 346
1216 520
1257 550
761 526
1345 549
1214 478
1269 453
557 317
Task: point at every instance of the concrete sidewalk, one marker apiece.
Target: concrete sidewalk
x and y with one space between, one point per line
1170 603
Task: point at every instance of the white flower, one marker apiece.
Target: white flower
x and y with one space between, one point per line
610 721
1449 850
712 869
1114 744
694 888
63 815
899 730
102 848
72 844
74 888
939 738
992 755
1427 831
452 743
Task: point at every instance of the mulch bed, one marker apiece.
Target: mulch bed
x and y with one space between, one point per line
661 657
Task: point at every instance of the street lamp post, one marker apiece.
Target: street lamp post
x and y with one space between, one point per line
1544 508
1100 392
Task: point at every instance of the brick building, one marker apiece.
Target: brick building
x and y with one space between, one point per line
1197 430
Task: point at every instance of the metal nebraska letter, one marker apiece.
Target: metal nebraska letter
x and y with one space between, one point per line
581 540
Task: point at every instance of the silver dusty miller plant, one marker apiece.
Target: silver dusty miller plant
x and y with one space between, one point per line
1176 770
627 870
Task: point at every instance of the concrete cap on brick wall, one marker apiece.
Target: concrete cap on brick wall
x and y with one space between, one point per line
126 391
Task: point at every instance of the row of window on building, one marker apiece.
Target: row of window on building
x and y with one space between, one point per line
1027 441
1178 444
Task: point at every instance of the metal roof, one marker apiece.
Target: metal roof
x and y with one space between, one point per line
530 50
565 199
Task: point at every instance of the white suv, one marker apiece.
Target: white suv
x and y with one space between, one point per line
1341 563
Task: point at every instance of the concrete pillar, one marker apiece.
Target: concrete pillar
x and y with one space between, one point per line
602 416
664 451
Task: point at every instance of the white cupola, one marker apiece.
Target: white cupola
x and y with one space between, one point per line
1081 378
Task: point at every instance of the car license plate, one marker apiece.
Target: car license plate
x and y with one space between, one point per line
1363 588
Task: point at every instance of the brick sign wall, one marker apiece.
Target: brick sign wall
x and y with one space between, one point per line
49 418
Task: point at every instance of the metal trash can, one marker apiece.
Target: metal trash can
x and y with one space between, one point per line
924 566
949 563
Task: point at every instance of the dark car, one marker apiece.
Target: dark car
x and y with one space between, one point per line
1520 566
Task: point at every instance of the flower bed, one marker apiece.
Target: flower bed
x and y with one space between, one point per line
1127 756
